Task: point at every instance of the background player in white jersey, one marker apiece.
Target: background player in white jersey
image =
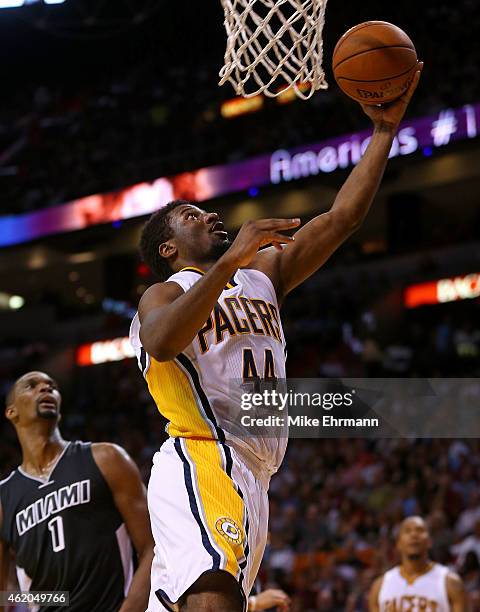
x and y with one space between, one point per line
417 584
215 320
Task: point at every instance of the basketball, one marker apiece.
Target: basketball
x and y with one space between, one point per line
374 62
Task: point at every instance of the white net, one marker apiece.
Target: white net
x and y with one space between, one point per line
273 45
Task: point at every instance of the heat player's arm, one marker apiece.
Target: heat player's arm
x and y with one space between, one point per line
373 595
129 495
457 597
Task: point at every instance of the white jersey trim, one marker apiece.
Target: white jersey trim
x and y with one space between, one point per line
7 478
126 552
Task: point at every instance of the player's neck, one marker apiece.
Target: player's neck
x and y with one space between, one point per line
412 568
202 266
40 450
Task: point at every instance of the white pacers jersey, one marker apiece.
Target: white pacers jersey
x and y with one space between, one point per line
199 391
427 592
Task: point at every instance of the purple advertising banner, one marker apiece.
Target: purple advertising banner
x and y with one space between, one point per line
425 134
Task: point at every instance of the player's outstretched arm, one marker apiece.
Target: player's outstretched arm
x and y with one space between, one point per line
373 595
129 495
457 596
171 318
319 238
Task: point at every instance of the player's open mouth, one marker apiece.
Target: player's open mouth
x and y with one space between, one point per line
219 229
47 401
48 405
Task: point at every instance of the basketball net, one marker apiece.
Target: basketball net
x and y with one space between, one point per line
274 45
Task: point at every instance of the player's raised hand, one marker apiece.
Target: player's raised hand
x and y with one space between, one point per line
388 116
255 234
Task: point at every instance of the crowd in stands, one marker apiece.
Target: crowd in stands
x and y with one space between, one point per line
159 114
333 531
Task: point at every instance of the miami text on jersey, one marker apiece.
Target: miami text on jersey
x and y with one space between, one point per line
56 501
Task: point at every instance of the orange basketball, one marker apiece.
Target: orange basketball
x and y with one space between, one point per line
374 62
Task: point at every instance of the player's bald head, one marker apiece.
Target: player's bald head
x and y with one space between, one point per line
412 521
11 394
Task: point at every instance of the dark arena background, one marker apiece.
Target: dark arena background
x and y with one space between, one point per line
108 107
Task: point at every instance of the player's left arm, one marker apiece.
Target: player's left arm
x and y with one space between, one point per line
123 478
457 597
316 241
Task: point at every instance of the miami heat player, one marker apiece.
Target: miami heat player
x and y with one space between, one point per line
71 511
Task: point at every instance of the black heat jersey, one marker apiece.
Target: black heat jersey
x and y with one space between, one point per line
67 533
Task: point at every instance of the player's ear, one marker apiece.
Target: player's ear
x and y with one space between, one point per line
11 413
167 249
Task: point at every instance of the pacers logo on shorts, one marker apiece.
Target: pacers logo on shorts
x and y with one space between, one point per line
229 529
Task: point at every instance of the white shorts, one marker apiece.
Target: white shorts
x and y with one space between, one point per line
208 512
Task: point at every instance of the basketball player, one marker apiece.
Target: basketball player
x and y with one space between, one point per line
214 319
70 511
417 583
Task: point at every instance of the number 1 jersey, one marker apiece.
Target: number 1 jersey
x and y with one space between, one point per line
67 533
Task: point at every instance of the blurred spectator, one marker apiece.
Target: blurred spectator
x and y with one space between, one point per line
470 573
470 544
470 516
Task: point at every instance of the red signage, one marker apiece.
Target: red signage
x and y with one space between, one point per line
443 290
106 350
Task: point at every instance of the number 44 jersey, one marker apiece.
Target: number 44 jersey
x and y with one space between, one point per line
200 391
67 534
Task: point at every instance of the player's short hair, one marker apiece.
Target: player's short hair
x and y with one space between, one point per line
156 231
